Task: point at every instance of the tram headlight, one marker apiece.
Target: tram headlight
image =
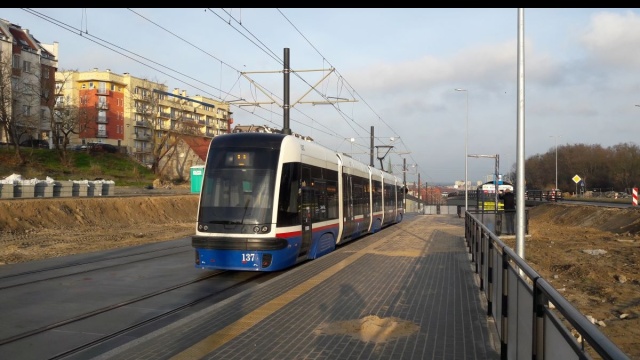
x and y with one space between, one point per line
264 228
256 229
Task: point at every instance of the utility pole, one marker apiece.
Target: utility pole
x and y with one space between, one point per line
285 104
419 193
372 146
404 183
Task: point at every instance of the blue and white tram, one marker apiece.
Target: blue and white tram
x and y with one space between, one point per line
269 201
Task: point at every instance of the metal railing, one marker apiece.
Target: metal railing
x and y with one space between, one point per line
533 320
541 195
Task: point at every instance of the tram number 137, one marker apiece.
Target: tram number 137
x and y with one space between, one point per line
249 257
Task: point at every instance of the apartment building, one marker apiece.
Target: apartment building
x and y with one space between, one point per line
27 83
137 115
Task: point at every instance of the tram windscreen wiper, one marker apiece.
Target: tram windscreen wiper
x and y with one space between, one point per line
225 222
246 206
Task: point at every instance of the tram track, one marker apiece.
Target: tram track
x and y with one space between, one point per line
92 310
150 320
104 310
182 249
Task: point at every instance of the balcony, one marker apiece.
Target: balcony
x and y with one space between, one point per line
143 123
101 133
164 114
102 106
102 91
139 150
143 137
102 120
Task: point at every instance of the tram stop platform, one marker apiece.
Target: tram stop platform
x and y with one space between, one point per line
406 292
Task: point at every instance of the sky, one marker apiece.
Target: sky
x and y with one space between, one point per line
394 70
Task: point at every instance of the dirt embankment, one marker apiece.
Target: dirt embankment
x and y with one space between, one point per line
32 229
591 255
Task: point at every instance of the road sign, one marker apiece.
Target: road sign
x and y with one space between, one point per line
576 179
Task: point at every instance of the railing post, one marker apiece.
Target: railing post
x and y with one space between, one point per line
489 291
505 306
539 302
481 265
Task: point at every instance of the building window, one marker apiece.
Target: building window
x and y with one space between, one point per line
16 61
113 87
46 74
90 85
26 66
84 86
26 110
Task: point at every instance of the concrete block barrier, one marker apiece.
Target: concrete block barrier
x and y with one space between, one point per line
108 189
14 187
43 189
66 188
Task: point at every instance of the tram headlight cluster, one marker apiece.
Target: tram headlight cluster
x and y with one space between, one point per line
260 229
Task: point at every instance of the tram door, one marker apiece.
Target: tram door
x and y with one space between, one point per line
347 203
307 204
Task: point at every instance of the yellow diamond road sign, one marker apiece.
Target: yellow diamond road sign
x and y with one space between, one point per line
576 179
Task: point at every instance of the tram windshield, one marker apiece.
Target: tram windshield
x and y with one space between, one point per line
237 189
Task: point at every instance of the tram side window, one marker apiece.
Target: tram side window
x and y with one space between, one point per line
366 200
358 199
308 201
377 196
400 194
321 187
346 201
332 200
389 197
319 213
288 200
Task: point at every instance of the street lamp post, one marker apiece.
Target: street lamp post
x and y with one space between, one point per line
466 136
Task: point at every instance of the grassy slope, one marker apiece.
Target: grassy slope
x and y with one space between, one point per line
41 163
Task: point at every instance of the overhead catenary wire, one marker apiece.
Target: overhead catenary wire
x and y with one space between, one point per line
110 46
344 79
341 85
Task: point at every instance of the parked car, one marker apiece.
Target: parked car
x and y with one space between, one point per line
35 143
98 147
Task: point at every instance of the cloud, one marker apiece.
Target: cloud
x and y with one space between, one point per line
613 39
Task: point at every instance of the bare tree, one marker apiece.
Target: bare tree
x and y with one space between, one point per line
167 122
68 114
6 102
19 105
